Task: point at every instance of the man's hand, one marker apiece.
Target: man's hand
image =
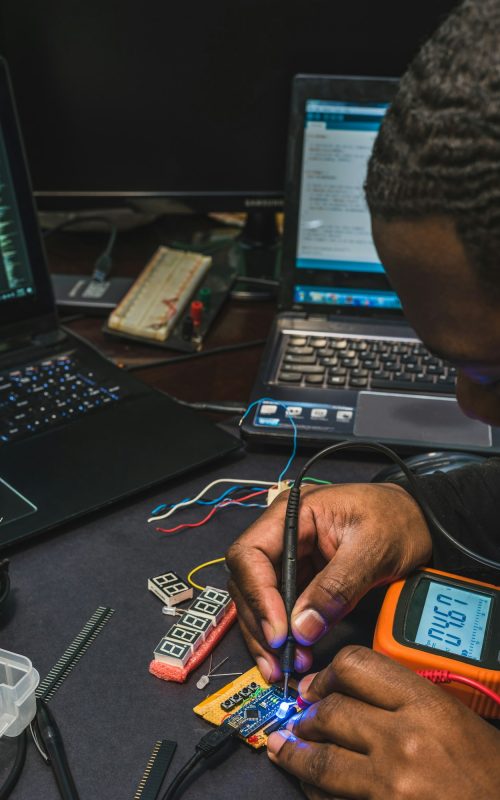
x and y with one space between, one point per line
351 538
377 731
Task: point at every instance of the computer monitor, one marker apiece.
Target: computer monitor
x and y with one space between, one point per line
121 100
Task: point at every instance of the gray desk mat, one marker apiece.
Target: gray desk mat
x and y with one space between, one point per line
110 709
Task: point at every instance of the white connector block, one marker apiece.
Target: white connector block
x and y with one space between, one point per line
18 681
274 491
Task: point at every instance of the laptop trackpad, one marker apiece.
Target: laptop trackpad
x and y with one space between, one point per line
13 505
439 420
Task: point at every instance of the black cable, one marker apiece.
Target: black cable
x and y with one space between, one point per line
227 348
17 767
211 749
229 407
103 263
289 570
256 281
4 581
181 776
426 509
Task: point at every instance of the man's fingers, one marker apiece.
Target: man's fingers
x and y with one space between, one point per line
267 663
338 718
368 676
254 574
333 592
334 770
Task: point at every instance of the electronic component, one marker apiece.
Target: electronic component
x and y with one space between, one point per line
179 633
274 491
199 622
80 644
156 769
173 660
160 294
174 653
436 621
253 712
211 603
170 588
239 697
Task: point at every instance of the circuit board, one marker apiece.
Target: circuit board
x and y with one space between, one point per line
249 701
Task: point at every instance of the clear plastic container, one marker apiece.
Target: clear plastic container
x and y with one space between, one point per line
18 681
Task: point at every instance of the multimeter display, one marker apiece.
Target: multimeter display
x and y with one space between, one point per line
453 620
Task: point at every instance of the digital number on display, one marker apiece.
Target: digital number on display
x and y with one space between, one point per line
454 620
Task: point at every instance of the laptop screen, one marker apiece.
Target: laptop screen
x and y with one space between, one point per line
336 261
16 278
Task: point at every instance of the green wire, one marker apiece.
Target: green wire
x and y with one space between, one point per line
317 480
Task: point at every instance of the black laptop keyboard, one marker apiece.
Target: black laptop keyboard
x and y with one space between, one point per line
356 363
49 393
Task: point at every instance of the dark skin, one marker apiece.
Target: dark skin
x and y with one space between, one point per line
374 729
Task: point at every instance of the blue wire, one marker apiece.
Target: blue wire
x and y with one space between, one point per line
165 506
292 421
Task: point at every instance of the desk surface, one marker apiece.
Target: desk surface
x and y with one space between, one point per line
110 709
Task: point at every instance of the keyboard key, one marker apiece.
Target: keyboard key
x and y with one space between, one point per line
316 379
50 393
300 351
329 362
317 342
291 359
290 377
299 341
312 369
336 380
358 383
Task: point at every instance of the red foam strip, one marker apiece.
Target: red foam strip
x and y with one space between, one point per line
167 672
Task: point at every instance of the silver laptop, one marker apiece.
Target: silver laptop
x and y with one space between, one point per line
341 359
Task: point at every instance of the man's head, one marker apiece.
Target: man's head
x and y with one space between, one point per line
433 188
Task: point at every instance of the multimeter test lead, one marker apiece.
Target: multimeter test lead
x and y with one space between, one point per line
289 581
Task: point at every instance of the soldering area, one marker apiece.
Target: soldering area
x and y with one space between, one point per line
249 400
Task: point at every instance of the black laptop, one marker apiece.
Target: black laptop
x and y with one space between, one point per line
76 432
341 360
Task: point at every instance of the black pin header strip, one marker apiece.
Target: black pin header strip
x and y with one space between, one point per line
156 769
80 644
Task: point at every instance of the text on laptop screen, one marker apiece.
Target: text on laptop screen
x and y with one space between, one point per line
336 262
16 279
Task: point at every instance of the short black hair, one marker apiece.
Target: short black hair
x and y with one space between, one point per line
438 148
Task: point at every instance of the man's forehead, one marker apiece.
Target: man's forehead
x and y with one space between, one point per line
442 297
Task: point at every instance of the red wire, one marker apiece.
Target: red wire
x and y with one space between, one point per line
211 513
443 676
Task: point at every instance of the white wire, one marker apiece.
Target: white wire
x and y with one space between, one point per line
205 490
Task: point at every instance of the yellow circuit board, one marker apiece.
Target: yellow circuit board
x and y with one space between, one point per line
211 711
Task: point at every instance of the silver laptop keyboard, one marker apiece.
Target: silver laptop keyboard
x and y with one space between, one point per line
50 393
363 363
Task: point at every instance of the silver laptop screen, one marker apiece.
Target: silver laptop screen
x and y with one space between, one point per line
336 262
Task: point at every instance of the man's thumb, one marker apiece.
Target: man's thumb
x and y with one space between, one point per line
330 595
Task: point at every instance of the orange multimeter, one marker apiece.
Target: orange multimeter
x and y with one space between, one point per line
435 620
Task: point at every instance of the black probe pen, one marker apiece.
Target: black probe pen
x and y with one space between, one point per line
54 746
289 581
